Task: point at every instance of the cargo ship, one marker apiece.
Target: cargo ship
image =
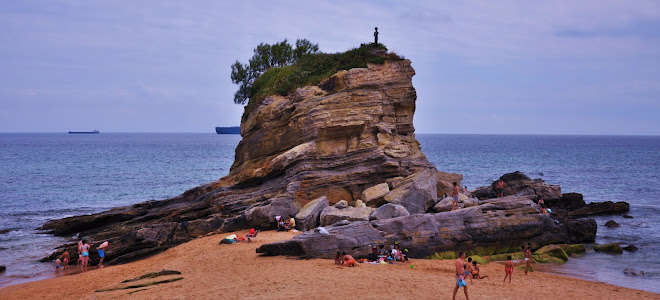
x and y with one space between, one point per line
84 132
228 130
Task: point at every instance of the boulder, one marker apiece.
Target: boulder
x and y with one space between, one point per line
443 205
331 215
469 202
547 258
503 223
611 224
263 216
612 248
569 201
630 248
628 216
521 185
554 251
601 208
389 211
359 203
446 182
633 272
309 216
3 269
341 204
417 192
373 196
573 248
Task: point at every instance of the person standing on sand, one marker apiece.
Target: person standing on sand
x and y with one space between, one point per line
527 251
65 260
459 265
101 250
508 269
454 196
80 255
499 188
85 253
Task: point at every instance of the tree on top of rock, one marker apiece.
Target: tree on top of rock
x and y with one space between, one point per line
265 57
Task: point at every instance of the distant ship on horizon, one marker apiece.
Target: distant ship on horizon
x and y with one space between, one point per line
228 130
85 132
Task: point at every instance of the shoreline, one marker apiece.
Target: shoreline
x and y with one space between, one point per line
210 270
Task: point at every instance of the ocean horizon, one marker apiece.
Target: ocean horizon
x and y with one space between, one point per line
54 175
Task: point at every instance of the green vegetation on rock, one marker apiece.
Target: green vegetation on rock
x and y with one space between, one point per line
480 260
574 248
503 256
309 68
612 248
553 251
444 255
547 258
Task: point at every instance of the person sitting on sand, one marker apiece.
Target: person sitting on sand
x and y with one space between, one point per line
469 269
291 224
339 258
475 271
349 261
499 188
65 259
508 269
281 224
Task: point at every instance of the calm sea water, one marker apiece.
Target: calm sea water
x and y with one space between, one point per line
48 176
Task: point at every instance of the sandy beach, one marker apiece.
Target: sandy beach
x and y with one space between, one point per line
213 271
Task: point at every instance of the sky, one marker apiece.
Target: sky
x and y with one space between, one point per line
482 67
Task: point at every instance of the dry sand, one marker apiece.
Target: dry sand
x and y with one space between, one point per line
213 271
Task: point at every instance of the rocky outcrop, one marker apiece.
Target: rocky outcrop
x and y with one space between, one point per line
601 208
334 140
611 224
633 272
417 192
503 224
373 196
389 211
309 216
568 201
521 185
331 214
613 248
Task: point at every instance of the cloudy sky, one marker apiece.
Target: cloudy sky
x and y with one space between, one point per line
521 67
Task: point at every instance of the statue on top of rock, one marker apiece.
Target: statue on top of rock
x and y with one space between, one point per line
376 36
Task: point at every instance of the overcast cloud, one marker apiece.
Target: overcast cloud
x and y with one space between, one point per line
552 67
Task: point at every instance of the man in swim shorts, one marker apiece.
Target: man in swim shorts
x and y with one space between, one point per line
499 188
101 250
459 265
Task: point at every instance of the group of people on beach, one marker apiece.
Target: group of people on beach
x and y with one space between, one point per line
285 224
84 248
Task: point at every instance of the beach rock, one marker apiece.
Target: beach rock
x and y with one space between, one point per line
568 201
309 216
503 223
633 272
359 203
469 202
331 215
628 216
263 216
341 204
443 205
3 269
630 248
601 208
389 211
573 248
5 231
373 196
417 192
547 258
554 251
521 185
612 248
612 224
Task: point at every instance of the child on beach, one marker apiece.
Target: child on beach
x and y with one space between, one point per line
469 269
338 258
475 271
58 263
65 259
349 261
508 269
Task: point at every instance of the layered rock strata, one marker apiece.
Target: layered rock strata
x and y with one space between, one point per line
352 132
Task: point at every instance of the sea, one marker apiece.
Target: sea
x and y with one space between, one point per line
46 176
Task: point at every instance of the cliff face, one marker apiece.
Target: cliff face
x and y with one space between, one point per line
350 133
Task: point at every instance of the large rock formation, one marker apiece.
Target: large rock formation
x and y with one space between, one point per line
521 185
351 132
501 225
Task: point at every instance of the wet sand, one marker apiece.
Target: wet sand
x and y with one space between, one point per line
213 271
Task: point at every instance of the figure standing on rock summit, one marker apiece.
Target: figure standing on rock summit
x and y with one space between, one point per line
376 36
499 188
